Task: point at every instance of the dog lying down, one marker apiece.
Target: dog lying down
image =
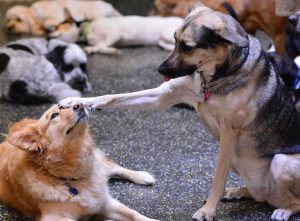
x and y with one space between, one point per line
50 169
35 70
222 72
107 33
44 16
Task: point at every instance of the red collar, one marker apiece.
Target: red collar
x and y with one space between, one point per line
206 95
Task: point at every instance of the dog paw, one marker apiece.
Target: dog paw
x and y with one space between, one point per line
204 214
281 214
232 193
143 178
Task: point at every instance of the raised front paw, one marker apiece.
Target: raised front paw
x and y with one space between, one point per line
281 214
204 213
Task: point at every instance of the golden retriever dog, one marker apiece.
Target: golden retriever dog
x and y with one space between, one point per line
39 17
253 15
51 170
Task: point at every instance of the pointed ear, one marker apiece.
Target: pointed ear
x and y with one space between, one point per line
232 36
27 138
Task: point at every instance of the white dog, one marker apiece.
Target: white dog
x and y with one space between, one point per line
103 34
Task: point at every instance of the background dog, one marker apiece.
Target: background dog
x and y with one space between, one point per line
105 33
35 71
39 17
252 15
226 76
51 169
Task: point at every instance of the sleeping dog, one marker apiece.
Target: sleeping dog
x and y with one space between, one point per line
35 71
226 76
106 33
43 16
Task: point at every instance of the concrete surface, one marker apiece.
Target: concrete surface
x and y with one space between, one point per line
173 145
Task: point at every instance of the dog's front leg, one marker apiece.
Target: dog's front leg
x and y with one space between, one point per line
179 90
228 139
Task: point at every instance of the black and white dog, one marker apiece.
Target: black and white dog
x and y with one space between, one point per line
35 70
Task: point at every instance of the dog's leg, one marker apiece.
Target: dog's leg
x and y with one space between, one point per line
236 193
112 169
228 138
165 45
285 170
179 90
103 45
119 212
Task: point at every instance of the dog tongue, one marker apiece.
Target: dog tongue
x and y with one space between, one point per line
166 78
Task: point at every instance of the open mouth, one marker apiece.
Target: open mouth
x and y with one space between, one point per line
81 116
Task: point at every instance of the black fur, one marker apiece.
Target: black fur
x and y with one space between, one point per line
18 92
277 121
20 47
4 60
56 57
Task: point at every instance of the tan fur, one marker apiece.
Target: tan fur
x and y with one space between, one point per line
37 153
253 15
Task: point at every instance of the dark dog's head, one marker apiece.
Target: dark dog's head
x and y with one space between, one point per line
203 43
70 61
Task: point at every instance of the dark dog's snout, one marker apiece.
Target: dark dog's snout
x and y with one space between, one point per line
293 19
165 68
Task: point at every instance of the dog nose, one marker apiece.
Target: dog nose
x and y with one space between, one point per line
78 107
164 68
293 20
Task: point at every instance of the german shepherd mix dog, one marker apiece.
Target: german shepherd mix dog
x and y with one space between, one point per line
224 74
50 169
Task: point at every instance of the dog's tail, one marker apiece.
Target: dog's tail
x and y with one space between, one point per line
4 60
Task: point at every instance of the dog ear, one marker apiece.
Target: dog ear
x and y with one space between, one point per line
27 138
196 5
232 36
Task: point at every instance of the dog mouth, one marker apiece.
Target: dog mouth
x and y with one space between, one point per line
166 78
82 117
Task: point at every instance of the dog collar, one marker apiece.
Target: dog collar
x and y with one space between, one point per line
72 190
84 30
204 95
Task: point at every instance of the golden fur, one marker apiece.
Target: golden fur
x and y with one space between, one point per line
39 156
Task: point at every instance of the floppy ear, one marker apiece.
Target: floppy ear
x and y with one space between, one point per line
229 29
196 5
27 138
232 36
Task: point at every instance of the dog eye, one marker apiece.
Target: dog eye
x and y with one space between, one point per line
54 116
67 68
83 67
185 48
19 19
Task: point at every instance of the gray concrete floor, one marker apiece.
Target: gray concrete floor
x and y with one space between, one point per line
173 145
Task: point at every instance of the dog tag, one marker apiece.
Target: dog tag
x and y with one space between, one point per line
73 191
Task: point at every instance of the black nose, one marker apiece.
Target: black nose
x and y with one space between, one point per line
78 107
293 19
9 28
164 68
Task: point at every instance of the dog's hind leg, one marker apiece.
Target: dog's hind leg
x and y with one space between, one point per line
286 173
119 212
114 170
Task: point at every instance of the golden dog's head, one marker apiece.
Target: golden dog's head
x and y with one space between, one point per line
56 130
22 19
205 40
